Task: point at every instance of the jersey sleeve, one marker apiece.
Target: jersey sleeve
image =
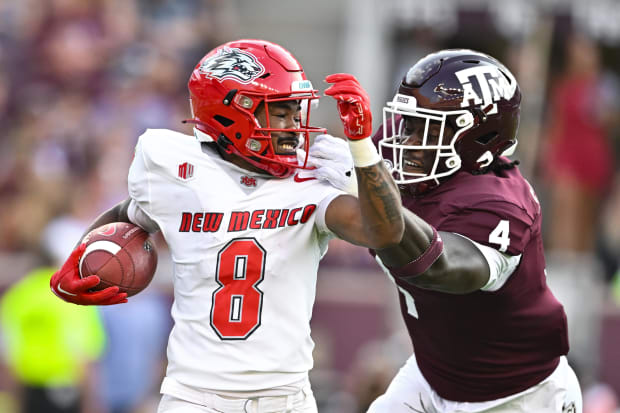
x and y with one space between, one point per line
499 225
142 178
322 209
324 233
138 179
501 266
141 218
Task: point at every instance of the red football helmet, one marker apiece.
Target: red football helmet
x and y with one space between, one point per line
471 92
228 85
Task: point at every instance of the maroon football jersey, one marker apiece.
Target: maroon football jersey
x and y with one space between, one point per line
486 345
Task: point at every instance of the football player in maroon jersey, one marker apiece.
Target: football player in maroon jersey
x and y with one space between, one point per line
487 332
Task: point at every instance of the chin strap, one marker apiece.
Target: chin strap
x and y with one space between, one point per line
277 169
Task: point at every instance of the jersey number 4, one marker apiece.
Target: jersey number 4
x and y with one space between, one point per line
236 305
500 235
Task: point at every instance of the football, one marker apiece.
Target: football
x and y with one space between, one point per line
120 254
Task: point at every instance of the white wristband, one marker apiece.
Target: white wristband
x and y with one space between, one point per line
364 152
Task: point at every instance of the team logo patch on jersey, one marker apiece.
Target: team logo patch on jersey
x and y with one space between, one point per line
232 63
247 181
186 171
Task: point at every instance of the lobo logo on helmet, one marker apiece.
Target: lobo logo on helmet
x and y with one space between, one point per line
494 84
231 63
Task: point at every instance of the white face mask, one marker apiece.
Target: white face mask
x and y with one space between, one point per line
446 160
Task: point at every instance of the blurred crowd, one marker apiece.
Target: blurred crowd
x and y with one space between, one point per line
80 80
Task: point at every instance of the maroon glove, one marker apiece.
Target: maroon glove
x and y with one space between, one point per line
353 105
67 284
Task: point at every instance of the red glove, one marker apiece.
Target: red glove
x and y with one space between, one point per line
353 105
67 284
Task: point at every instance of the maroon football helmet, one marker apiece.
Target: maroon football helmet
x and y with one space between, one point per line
473 94
228 85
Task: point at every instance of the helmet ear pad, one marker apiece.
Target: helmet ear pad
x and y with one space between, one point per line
218 118
485 137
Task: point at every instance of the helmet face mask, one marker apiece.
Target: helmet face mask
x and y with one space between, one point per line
436 153
469 100
260 143
232 82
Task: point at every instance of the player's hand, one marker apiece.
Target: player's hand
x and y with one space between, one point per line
67 284
332 162
353 105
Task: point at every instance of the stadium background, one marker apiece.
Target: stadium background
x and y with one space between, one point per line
81 79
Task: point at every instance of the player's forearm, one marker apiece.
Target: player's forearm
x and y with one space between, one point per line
416 239
379 199
380 205
419 261
118 213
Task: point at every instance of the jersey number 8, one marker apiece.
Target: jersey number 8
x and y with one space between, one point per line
237 303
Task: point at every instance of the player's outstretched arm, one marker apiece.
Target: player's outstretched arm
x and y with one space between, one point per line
67 284
374 219
436 261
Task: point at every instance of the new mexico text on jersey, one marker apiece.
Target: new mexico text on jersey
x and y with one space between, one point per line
243 220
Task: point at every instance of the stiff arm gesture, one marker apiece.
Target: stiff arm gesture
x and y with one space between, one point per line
379 204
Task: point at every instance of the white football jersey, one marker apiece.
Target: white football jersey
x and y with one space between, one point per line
246 249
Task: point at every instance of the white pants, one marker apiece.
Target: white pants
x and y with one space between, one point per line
206 402
410 392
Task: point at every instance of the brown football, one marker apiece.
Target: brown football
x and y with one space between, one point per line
122 255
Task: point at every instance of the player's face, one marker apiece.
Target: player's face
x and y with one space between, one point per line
282 115
420 161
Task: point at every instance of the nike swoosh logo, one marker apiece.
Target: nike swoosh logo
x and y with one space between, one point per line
63 291
297 178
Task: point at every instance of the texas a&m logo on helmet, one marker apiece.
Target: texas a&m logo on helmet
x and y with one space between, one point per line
492 85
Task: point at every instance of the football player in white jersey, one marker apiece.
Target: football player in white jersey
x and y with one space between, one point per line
247 224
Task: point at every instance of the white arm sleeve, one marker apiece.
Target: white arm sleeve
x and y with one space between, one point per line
501 266
322 209
140 218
